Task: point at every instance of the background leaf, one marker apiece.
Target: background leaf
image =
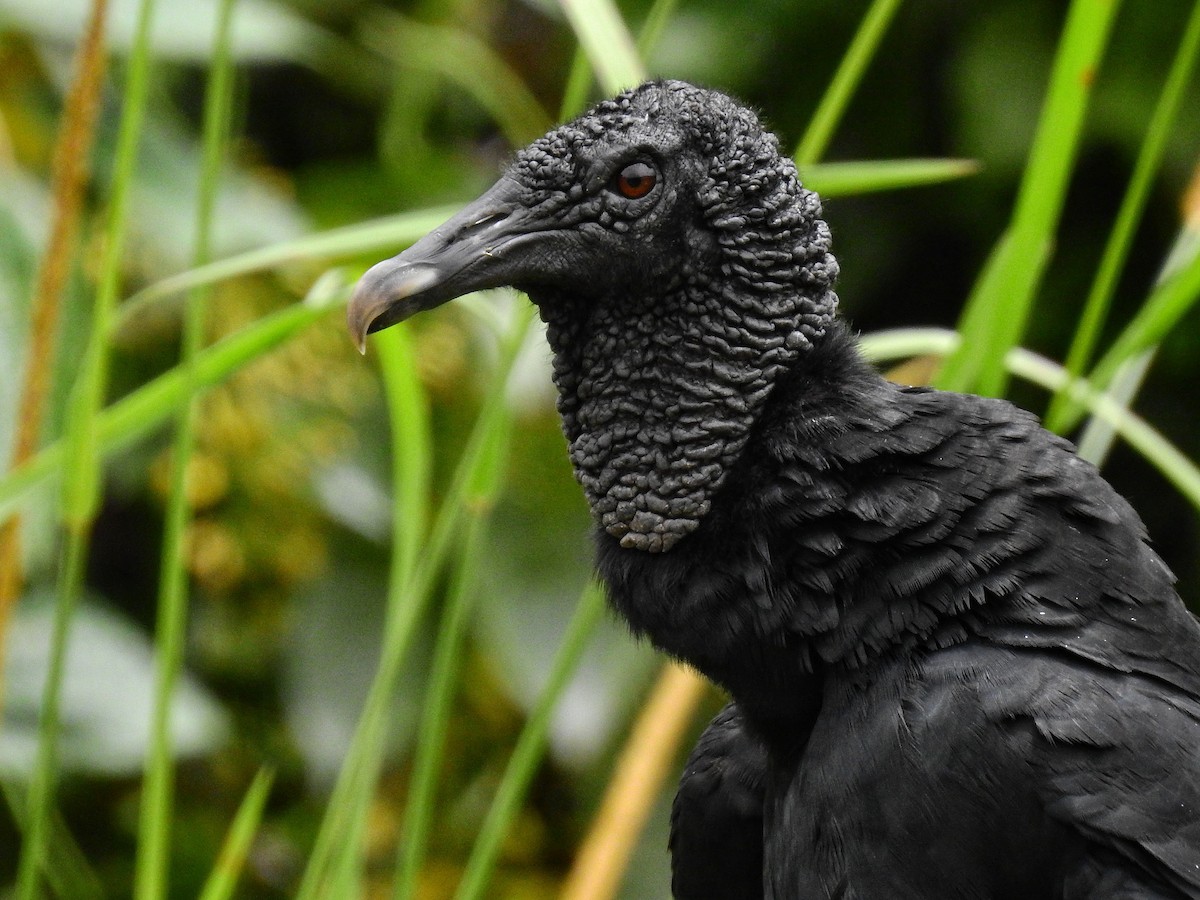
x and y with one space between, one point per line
107 696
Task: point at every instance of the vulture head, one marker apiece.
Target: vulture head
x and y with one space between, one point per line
680 268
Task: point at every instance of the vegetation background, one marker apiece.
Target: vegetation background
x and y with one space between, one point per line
365 563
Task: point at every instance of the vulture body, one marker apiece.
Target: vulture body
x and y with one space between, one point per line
957 669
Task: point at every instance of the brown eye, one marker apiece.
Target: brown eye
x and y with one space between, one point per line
636 180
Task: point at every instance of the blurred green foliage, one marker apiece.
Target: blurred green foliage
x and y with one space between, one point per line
349 110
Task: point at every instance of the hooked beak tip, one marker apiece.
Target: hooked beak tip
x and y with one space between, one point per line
386 294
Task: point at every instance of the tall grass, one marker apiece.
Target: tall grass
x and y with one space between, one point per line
998 309
154 826
431 539
80 497
1120 239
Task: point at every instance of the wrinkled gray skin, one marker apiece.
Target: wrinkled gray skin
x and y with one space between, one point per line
670 316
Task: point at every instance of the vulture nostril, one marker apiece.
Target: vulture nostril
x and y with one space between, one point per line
485 221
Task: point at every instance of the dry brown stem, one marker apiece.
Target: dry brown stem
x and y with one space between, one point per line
70 175
637 782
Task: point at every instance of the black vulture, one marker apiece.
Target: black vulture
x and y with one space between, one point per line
957 669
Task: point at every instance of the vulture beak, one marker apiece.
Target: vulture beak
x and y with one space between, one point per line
470 252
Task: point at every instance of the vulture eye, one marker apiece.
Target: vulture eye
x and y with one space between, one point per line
636 180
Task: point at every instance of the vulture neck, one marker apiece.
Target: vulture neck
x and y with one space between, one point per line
727 598
659 394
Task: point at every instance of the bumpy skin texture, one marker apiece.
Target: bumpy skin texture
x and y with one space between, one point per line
659 387
957 669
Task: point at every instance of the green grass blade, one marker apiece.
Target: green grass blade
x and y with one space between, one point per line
607 42
1142 437
478 502
435 712
80 497
387 233
407 600
996 314
412 446
531 746
40 809
883 347
480 495
1187 243
1165 306
67 870
1098 437
223 879
579 78
845 80
412 465
158 784
462 58
1162 123
415 91
151 405
579 83
1128 375
81 487
654 25
846 179
986 309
